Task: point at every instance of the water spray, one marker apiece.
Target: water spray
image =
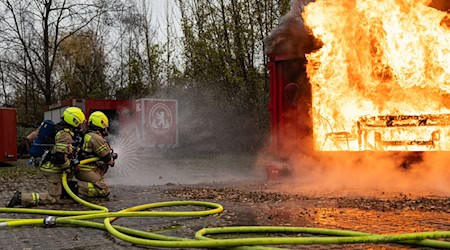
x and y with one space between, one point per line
129 157
138 237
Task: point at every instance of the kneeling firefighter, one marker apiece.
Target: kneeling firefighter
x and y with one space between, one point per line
61 158
90 177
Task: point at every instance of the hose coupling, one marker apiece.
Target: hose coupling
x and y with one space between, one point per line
50 221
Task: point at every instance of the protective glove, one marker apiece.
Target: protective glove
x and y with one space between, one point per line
67 169
75 165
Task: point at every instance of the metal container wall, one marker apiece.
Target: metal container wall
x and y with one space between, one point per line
289 105
157 122
115 110
8 135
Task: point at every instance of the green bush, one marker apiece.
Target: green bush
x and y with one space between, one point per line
22 132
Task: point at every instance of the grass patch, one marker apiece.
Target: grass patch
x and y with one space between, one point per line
16 170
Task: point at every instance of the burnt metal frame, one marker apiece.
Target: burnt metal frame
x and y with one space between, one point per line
365 123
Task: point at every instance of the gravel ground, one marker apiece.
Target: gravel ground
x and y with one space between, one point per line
235 183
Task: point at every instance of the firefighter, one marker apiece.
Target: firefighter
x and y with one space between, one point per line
90 177
61 158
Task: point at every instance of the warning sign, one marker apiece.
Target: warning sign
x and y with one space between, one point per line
159 121
160 118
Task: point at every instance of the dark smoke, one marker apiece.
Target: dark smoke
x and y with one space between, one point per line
443 5
291 37
396 171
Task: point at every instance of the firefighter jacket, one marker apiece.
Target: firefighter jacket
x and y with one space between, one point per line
63 144
95 145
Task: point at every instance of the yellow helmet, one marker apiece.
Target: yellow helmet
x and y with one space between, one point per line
99 119
74 116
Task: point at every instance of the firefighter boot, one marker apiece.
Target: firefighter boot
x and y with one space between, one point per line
73 185
15 200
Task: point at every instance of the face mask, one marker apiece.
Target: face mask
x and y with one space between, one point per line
105 132
77 130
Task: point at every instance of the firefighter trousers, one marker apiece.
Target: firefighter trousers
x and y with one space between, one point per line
52 196
91 183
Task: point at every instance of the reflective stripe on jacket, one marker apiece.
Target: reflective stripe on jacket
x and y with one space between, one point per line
63 144
94 145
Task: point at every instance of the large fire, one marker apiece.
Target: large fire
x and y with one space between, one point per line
381 80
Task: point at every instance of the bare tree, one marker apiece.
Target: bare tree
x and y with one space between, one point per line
4 86
225 54
140 54
81 66
38 27
223 45
153 66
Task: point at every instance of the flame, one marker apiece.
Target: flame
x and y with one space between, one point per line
381 80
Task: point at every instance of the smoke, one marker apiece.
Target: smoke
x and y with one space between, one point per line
355 172
443 5
365 172
208 135
291 37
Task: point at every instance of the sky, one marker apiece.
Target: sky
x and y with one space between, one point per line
159 11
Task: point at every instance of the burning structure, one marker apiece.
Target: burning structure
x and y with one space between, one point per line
361 75
359 95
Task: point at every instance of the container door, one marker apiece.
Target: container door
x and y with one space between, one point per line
8 135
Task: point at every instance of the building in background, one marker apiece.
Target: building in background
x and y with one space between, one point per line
154 122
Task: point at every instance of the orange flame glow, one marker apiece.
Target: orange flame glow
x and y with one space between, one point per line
381 80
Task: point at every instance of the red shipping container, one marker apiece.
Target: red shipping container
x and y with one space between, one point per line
290 99
117 111
8 135
112 108
157 121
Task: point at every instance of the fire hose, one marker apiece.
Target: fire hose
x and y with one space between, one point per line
139 237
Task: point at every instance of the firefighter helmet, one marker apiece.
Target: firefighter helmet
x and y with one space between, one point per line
74 116
98 119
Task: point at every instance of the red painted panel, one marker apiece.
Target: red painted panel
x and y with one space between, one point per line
8 135
97 104
289 105
159 124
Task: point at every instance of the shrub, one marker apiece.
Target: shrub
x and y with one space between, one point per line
22 132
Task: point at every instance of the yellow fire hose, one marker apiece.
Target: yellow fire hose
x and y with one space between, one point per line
138 237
